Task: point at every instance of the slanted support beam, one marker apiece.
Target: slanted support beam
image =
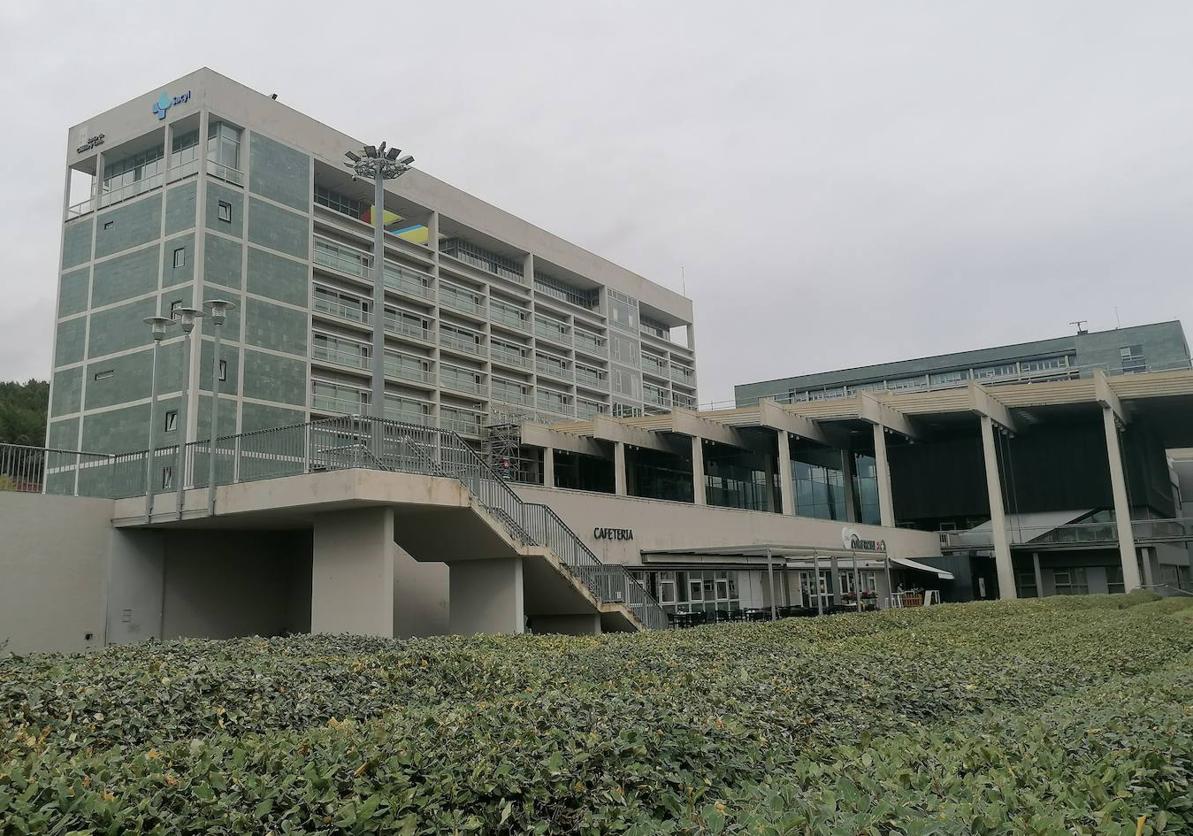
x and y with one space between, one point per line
686 422
882 470
1122 505
1105 396
983 402
610 429
775 416
698 496
619 472
998 517
851 514
873 411
537 435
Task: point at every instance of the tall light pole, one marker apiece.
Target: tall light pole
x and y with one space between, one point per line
157 327
375 163
186 318
217 314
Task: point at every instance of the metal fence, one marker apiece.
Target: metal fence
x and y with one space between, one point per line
1075 534
331 444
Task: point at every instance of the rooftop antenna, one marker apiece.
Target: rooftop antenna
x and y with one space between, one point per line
1081 323
1118 323
683 279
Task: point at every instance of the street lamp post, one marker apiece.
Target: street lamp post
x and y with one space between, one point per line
157 326
217 314
186 318
379 165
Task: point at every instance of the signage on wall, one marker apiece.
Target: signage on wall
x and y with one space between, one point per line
613 533
165 101
89 143
855 542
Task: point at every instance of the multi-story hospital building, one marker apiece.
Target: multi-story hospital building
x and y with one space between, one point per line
538 461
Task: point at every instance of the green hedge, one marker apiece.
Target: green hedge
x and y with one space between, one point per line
1055 716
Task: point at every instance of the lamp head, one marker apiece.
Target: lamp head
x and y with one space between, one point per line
370 150
351 155
158 325
218 309
406 160
186 318
392 153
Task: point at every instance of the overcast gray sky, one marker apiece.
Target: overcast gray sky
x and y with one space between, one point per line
844 182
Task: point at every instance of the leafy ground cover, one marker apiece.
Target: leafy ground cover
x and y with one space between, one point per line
1068 715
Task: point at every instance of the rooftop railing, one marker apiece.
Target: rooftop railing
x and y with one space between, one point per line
1074 534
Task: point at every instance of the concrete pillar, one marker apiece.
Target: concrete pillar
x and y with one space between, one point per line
998 518
698 492
1035 565
851 514
619 477
785 487
548 467
1122 507
882 470
834 580
1147 554
486 596
588 624
352 572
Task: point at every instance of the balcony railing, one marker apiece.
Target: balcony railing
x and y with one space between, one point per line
683 375
225 172
461 300
405 280
592 345
340 356
342 310
181 171
464 423
506 315
407 369
591 379
467 345
407 328
553 370
553 333
459 382
509 357
337 404
344 259
653 366
131 190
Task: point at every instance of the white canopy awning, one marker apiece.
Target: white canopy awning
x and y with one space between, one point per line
943 574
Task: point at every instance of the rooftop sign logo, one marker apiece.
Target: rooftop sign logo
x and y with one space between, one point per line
854 542
165 102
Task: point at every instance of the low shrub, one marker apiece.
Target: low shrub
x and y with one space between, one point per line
1054 716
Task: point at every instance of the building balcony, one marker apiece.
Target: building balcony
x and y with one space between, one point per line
342 311
130 190
225 172
341 259
553 370
403 280
406 328
595 346
457 343
333 404
509 358
559 335
408 370
459 383
591 380
340 357
509 317
461 300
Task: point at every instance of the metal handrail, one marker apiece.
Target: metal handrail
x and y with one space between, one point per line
352 441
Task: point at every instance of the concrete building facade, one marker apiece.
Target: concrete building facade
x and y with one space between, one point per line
207 190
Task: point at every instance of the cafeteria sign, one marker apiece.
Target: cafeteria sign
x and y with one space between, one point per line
855 542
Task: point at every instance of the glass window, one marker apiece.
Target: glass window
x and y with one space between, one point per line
171 420
180 257
223 370
1071 581
1026 583
1133 359
223 144
623 312
225 211
1114 578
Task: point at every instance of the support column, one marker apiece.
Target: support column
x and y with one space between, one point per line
882 470
998 517
1122 507
1147 554
834 579
548 467
785 486
698 492
619 477
352 572
1035 565
486 596
851 514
